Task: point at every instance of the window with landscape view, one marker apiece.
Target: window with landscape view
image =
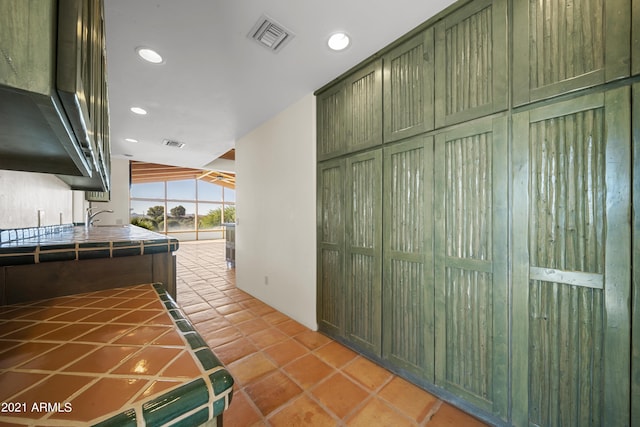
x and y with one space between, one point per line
192 207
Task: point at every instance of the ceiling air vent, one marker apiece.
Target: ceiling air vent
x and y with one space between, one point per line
269 34
170 143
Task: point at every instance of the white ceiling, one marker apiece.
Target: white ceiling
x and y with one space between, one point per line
216 85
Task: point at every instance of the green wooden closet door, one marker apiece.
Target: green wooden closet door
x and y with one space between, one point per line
635 41
408 256
471 62
364 93
408 88
571 279
364 250
472 355
332 122
565 45
635 304
331 290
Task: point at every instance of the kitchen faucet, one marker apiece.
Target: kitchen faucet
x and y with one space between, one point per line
88 222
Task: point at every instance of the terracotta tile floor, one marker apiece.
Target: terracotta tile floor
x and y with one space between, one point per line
72 351
286 374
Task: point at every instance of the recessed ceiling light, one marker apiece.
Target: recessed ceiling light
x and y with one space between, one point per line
149 55
131 140
338 41
139 110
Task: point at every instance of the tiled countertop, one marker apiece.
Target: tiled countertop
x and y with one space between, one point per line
125 356
67 243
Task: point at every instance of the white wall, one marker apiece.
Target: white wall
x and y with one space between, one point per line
276 212
119 202
22 194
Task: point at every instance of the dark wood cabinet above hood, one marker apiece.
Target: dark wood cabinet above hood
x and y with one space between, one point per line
53 93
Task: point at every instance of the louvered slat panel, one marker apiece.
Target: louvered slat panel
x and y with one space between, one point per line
469 318
469 63
408 88
565 365
407 201
469 309
572 273
567 211
364 250
468 197
364 313
408 342
567 176
332 206
332 123
472 74
408 277
365 199
365 91
566 39
471 263
566 45
331 289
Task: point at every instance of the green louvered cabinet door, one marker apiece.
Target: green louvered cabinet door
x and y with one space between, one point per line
331 290
572 262
635 39
408 99
471 62
363 250
470 251
408 256
364 95
635 323
563 45
332 122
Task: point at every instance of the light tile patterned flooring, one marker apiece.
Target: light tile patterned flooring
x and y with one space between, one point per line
286 374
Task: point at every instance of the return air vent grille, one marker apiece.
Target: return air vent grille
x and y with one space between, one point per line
269 34
175 144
